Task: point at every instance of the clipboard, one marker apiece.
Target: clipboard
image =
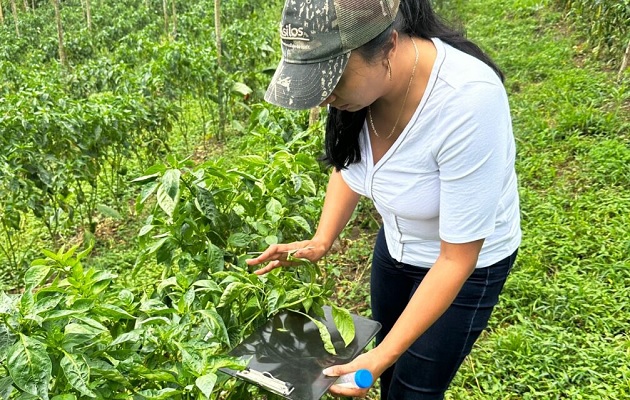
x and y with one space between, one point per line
288 355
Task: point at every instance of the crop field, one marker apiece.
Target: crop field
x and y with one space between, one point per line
139 165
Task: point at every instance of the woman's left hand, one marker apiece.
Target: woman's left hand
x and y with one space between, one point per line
370 361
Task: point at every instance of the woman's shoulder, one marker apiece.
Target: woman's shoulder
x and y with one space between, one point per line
458 69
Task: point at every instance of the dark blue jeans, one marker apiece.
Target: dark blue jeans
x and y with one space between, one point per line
426 369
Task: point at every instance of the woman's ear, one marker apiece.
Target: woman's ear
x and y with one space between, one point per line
393 47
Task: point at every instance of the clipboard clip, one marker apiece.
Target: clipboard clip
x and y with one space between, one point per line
267 381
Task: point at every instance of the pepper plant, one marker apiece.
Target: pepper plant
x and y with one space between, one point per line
75 332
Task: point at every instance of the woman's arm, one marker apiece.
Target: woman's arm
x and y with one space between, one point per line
434 295
339 204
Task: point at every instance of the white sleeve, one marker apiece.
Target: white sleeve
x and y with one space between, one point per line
471 152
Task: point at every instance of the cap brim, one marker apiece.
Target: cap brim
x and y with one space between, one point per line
302 86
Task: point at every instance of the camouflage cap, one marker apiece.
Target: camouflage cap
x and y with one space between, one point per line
317 37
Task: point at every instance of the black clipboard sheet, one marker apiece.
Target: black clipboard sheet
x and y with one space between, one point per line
288 349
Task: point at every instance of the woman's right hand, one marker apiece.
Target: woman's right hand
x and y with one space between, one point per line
277 255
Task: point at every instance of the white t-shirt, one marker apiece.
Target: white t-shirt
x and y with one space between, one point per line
450 174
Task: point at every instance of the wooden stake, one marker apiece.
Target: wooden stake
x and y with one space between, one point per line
15 17
624 62
217 28
62 51
165 9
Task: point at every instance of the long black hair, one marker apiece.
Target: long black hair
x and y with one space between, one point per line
416 18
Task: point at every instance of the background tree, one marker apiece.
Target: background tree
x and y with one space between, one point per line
1 14
88 13
174 17
62 51
15 17
624 61
217 28
165 10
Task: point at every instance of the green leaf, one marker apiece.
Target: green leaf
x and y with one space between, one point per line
156 246
215 363
189 297
145 229
155 307
217 325
301 222
147 191
35 275
154 321
297 182
46 303
27 302
59 314
7 303
77 372
107 371
168 192
204 202
6 387
344 323
206 383
207 285
241 88
93 323
168 282
308 185
239 240
230 293
158 375
323 333
29 366
271 239
7 339
65 396
108 211
215 260
274 207
131 336
145 178
77 334
275 300
254 160
111 311
155 394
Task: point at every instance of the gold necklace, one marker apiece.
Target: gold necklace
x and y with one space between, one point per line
413 72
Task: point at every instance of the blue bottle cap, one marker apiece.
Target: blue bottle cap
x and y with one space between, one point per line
363 378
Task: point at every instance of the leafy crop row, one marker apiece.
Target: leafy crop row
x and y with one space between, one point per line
73 137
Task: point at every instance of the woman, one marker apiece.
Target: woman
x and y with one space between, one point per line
418 122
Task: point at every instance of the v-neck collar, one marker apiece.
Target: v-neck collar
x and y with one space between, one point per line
371 166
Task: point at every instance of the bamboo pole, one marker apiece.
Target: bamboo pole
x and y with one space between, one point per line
217 28
88 14
165 10
624 62
15 17
62 51
174 17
